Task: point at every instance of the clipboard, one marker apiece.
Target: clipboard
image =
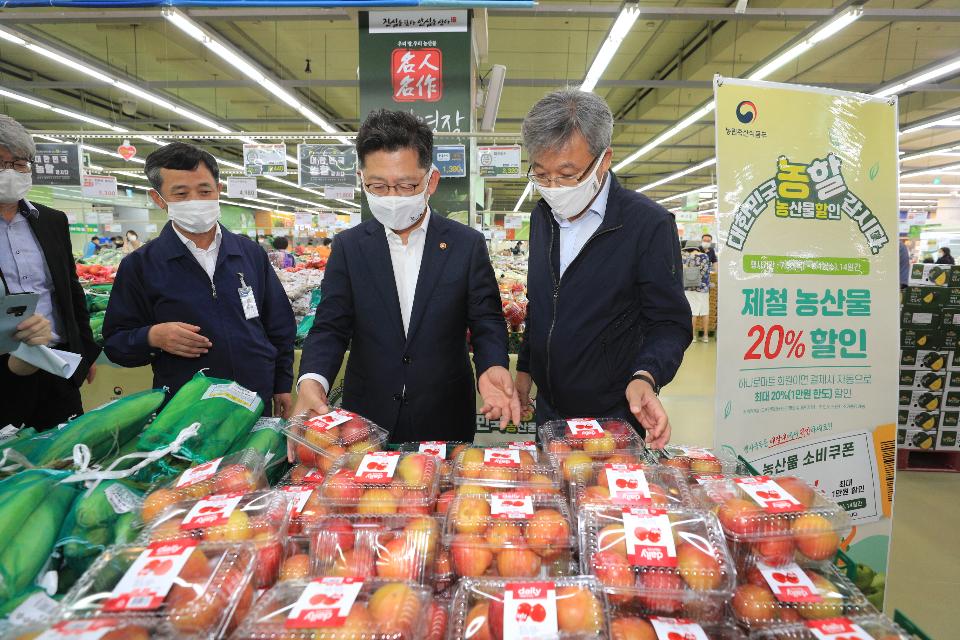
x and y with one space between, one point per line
14 309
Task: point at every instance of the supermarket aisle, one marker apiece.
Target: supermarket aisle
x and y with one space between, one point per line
924 572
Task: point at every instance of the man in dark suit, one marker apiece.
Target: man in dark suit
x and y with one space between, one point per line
402 290
36 256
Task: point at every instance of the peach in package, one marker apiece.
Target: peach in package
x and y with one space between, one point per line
869 627
335 608
446 450
300 474
582 440
700 463
320 440
105 628
382 482
628 625
504 467
601 484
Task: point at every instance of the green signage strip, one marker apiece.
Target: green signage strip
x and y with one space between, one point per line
799 266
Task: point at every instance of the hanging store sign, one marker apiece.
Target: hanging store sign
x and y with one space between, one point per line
57 164
241 187
99 187
499 162
450 160
265 159
327 165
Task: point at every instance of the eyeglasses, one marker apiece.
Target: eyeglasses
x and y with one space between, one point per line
383 189
22 166
543 180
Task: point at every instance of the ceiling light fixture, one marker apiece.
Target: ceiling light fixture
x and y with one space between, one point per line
621 27
69 113
938 70
697 167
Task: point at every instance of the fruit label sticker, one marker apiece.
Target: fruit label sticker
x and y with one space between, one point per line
837 629
768 494
151 576
584 428
325 602
789 583
438 449
267 423
80 629
121 499
501 457
528 446
513 506
329 420
212 511
707 479
298 495
236 394
530 610
199 473
677 629
694 453
649 538
379 466
627 483
313 476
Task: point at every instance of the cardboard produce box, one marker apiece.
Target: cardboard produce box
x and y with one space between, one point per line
951 400
948 440
915 439
937 275
915 318
950 419
918 419
923 400
911 338
925 359
924 380
923 297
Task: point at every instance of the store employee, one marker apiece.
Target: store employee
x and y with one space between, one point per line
200 297
402 290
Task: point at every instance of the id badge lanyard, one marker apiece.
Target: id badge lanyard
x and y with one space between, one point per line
247 300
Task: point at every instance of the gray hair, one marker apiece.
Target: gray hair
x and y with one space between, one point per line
15 138
558 115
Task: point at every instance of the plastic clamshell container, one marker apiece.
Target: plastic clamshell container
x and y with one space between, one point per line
497 607
118 628
817 591
321 440
382 482
514 534
776 518
629 624
297 563
306 506
602 484
394 547
301 474
659 561
261 517
243 471
571 464
446 450
504 468
367 610
700 462
213 589
875 626
438 618
594 436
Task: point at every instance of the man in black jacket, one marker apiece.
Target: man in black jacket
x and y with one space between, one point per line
36 256
607 319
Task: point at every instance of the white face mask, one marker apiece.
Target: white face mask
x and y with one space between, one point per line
14 185
704 245
399 212
194 216
566 202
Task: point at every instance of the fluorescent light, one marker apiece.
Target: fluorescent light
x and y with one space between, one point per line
25 99
89 119
677 196
523 196
836 25
697 167
780 61
621 27
938 71
935 170
921 185
666 135
72 63
951 151
10 37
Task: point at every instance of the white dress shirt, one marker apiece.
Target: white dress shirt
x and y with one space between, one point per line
574 235
406 260
206 257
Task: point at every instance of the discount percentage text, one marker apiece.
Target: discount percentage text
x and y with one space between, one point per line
769 343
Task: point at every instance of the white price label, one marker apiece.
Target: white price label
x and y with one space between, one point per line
838 629
81 629
649 538
501 457
330 420
512 506
584 428
627 483
151 576
299 494
35 610
122 499
768 494
530 610
438 449
325 602
198 473
789 583
379 466
212 511
236 394
677 629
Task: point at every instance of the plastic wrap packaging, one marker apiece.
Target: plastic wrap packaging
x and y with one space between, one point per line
382 483
447 451
700 463
875 627
103 628
595 438
505 468
629 625
301 474
601 484
322 439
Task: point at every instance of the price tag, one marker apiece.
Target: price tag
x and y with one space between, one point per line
530 610
768 494
512 506
149 579
789 583
649 538
38 609
527 445
707 479
379 466
80 629
837 629
198 473
330 420
438 449
121 499
233 392
627 483
325 602
298 494
501 457
584 428
267 423
8 432
677 629
212 511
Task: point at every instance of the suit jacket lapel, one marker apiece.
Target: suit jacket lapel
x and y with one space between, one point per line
51 256
377 254
434 259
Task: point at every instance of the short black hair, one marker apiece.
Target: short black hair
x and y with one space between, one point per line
180 156
280 243
385 130
706 235
95 238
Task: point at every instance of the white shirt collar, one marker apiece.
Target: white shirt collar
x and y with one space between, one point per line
597 207
193 245
421 230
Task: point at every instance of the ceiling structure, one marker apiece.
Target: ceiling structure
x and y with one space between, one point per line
660 74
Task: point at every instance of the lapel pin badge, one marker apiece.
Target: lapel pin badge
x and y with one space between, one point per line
443 246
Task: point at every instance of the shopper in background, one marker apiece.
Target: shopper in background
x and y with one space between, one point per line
280 257
323 250
944 256
402 290
517 248
696 286
117 242
706 245
91 248
607 320
200 297
132 243
36 256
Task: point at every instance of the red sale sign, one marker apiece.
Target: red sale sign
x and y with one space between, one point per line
417 75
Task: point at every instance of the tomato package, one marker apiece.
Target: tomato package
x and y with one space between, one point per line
382 482
629 625
697 463
446 450
504 467
869 627
601 484
598 438
320 440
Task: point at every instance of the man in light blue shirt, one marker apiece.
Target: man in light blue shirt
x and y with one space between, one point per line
575 231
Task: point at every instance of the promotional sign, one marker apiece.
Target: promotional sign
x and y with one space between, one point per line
303 219
241 187
327 165
57 164
265 159
807 360
512 222
99 186
420 61
450 160
499 162
326 219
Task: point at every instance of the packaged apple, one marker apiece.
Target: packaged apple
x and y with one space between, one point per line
103 628
598 437
336 608
296 564
658 560
505 608
601 484
320 440
630 625
793 593
194 588
446 450
260 517
385 547
868 627
504 467
438 619
239 472
700 463
517 534
776 518
382 482
300 474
